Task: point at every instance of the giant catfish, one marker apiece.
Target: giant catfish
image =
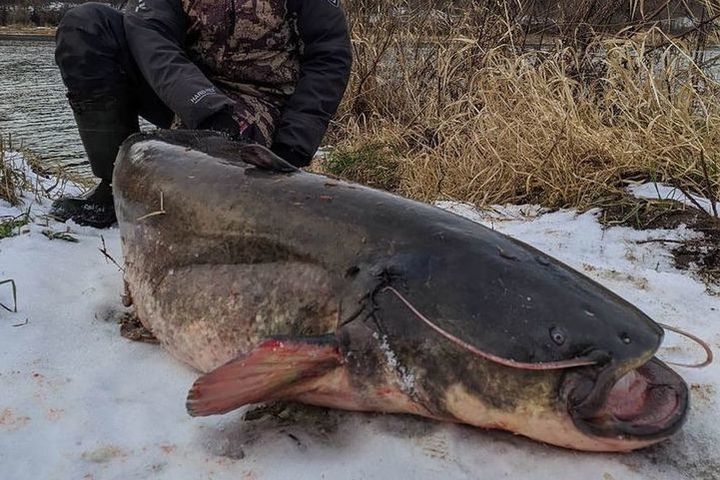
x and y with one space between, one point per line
286 285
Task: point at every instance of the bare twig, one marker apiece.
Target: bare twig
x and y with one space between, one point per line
708 184
692 199
658 240
107 256
14 294
52 235
157 212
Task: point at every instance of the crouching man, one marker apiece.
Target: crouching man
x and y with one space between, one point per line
271 72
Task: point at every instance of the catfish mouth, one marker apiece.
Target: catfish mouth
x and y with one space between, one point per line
647 403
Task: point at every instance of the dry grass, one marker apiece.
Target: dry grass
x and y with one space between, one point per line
18 187
27 30
12 179
459 105
372 164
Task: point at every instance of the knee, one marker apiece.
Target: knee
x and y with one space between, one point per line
88 39
90 17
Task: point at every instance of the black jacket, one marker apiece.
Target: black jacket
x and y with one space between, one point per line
156 33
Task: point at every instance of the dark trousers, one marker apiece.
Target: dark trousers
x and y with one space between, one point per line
96 64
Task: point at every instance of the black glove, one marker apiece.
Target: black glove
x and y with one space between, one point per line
222 122
291 155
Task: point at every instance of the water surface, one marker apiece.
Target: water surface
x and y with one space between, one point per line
33 106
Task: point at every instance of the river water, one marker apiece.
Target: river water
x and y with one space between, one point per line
33 107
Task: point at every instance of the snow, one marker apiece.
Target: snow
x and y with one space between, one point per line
659 191
78 401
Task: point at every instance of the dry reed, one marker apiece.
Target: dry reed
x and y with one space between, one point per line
12 179
465 101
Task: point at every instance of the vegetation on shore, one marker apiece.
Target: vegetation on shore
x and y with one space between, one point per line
27 30
20 14
468 101
16 184
13 181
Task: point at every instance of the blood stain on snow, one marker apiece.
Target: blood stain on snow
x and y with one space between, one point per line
703 394
168 448
54 414
9 420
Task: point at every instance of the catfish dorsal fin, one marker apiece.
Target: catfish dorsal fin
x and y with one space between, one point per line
265 159
265 374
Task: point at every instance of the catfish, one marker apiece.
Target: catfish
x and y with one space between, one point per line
284 285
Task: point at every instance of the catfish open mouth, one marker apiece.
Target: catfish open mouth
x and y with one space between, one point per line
647 403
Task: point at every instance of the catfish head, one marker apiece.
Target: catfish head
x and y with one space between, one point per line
509 338
609 408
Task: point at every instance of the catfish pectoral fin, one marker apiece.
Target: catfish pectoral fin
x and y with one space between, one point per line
265 159
267 373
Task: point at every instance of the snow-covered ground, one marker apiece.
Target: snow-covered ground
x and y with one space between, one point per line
78 401
666 192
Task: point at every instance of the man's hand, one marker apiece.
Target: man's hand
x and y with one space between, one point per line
223 122
291 155
237 129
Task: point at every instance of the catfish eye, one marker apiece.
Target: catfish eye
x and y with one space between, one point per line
557 335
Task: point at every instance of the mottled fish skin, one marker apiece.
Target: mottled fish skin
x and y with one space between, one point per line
221 255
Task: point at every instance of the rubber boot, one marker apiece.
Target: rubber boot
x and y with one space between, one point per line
104 123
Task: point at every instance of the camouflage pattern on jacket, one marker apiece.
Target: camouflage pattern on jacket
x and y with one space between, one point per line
250 49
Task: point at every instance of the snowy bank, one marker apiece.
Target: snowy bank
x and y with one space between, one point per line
81 402
667 192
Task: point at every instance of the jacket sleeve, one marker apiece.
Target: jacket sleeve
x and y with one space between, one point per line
324 71
155 31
